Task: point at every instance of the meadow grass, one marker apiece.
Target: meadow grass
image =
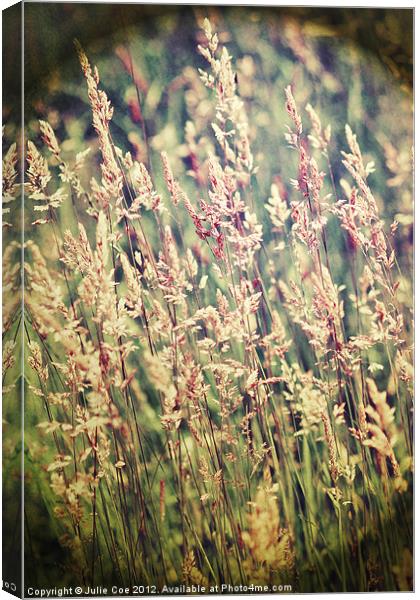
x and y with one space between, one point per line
219 382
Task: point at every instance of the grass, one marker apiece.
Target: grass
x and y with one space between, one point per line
219 381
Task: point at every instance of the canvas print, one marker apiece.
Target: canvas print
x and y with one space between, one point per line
207 299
